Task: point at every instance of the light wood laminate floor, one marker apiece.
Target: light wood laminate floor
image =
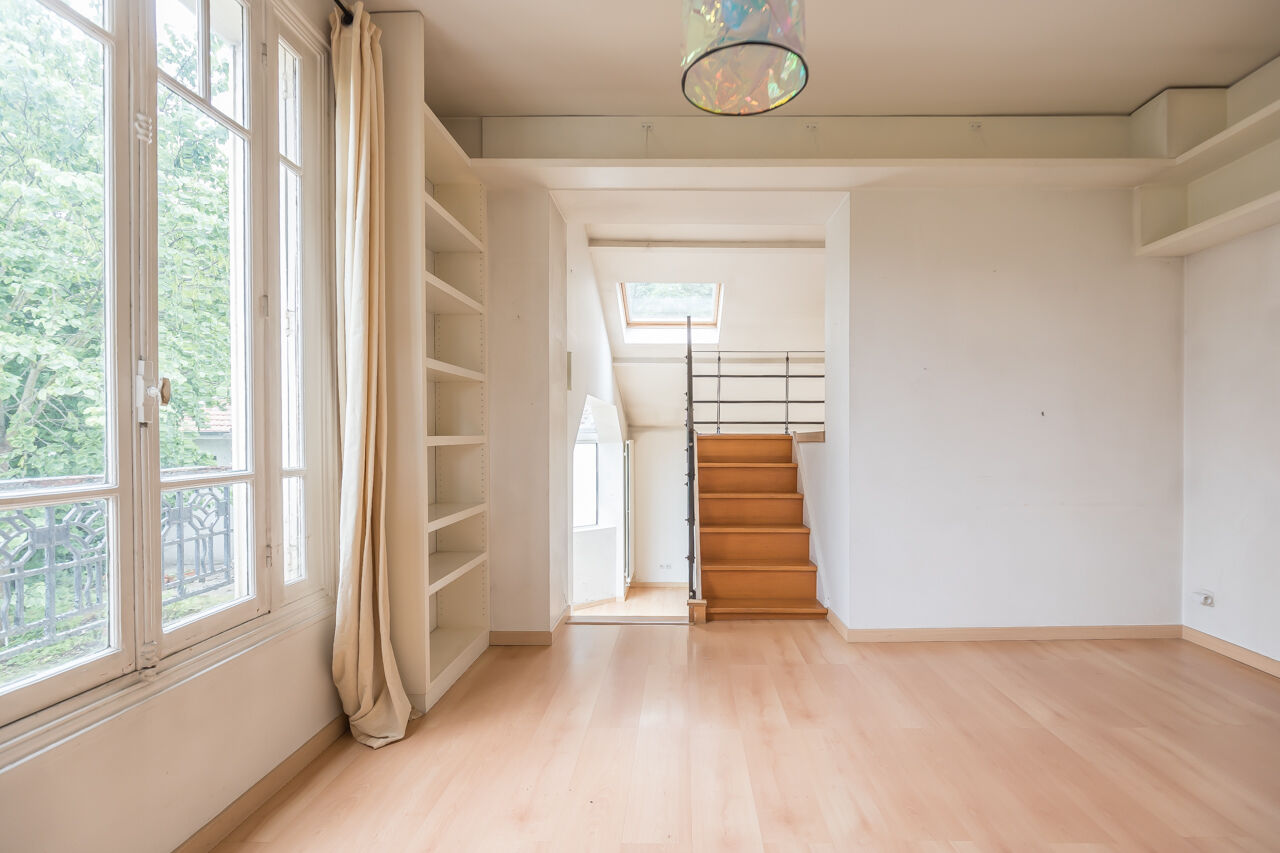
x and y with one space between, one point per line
779 736
669 602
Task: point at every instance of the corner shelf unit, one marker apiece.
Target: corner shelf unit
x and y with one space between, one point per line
437 413
1223 188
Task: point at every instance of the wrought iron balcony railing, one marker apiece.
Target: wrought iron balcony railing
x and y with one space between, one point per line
55 572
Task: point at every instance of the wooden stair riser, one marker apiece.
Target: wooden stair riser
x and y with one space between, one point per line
759 584
751 617
735 449
733 511
747 479
782 547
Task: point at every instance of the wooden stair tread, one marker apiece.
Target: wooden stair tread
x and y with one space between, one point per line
788 496
758 566
765 605
755 528
747 464
744 436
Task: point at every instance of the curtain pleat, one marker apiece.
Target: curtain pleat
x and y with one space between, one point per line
364 667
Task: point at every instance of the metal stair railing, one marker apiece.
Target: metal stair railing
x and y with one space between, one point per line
788 360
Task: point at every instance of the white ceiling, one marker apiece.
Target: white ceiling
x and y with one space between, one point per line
867 57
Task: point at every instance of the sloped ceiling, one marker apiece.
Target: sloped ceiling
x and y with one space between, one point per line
773 298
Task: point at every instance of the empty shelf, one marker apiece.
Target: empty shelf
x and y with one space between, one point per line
1245 136
446 163
455 440
447 566
445 233
444 298
443 514
1245 219
448 644
443 371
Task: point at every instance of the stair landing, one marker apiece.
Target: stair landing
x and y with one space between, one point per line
754 546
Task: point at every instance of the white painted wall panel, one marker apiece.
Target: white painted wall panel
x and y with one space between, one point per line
662 534
147 779
1015 411
1232 454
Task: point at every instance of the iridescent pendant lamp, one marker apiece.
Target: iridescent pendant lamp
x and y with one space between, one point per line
743 57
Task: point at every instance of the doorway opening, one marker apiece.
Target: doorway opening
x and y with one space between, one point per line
601 586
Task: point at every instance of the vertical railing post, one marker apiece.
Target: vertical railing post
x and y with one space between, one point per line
689 450
51 574
786 396
718 394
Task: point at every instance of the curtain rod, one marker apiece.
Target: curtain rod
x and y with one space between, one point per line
347 16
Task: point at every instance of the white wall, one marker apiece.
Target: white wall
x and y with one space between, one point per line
147 779
520 417
561 424
1015 412
824 467
594 556
661 505
1231 493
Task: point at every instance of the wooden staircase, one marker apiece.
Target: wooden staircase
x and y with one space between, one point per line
754 546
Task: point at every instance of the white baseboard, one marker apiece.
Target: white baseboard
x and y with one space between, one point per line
1035 632
1258 661
520 638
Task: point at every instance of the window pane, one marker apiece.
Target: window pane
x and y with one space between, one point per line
226 61
203 290
91 9
294 530
53 402
204 537
291 316
55 587
290 105
177 41
584 485
655 302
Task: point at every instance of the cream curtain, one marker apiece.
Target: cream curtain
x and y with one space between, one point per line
364 668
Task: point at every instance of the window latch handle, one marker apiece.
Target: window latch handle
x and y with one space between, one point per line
162 392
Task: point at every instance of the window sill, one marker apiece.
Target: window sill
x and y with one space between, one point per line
29 736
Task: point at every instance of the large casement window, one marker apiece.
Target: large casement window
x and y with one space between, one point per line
166 417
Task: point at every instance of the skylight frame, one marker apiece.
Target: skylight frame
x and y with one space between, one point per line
628 322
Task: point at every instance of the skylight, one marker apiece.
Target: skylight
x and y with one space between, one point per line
651 303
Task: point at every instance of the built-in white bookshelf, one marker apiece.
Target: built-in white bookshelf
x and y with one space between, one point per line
438 465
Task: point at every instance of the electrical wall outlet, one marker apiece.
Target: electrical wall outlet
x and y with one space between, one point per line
1205 597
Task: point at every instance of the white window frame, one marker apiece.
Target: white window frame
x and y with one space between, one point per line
632 323
319 408
27 696
158 642
41 712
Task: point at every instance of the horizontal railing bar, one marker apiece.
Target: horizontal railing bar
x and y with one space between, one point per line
762 423
759 376
764 402
759 351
